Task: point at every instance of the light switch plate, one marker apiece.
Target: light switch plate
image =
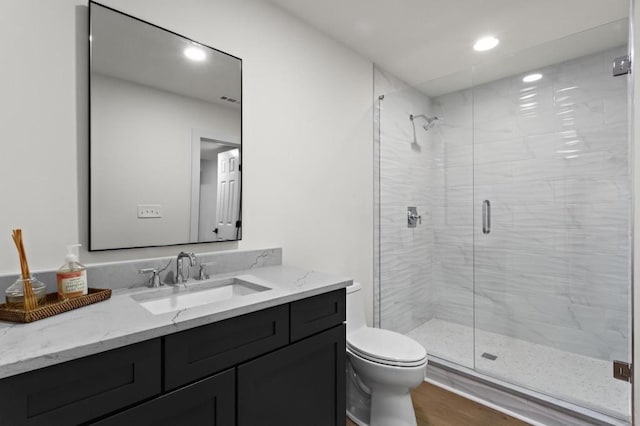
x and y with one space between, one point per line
149 211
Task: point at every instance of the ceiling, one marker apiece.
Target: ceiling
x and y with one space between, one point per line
424 41
131 50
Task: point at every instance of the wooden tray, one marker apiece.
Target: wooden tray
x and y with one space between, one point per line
53 306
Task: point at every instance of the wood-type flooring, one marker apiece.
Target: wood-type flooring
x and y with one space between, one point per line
435 406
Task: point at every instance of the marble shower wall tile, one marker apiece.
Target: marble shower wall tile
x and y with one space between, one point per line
452 206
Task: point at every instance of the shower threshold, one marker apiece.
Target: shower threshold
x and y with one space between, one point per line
550 376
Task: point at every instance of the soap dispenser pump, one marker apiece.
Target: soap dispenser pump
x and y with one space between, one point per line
72 276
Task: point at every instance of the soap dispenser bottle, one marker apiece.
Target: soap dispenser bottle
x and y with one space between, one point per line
72 276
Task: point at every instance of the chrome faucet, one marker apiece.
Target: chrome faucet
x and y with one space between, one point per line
179 267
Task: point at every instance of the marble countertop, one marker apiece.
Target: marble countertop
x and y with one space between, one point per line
122 321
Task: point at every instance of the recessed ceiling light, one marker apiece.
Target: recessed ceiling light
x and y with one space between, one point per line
531 78
485 43
194 53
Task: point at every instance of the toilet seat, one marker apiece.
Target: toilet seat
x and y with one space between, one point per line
386 347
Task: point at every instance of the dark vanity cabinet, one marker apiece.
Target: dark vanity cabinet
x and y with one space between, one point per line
279 366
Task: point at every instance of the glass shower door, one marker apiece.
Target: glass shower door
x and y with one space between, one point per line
424 161
552 229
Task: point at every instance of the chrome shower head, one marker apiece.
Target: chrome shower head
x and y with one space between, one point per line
430 121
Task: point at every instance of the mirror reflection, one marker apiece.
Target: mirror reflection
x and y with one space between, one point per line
166 148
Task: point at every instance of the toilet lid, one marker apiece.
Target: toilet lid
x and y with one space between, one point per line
386 347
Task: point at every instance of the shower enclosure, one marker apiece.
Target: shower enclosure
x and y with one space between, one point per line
518 263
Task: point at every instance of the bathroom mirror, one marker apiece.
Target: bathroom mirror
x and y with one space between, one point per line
165 136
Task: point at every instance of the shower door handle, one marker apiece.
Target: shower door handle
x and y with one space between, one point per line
486 217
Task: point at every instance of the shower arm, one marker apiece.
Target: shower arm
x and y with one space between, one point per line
430 120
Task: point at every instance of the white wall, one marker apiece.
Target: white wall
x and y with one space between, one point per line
141 154
308 177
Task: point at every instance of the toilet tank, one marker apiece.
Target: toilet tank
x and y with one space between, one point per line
355 308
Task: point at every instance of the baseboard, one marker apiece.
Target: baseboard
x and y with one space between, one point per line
523 404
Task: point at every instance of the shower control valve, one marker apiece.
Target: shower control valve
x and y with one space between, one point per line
413 218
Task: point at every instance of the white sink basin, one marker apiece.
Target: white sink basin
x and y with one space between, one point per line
196 294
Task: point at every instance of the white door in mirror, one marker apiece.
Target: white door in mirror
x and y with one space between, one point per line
228 194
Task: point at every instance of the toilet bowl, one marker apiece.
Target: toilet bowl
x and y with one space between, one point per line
382 367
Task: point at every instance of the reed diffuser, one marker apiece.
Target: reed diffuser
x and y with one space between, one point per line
27 298
26 292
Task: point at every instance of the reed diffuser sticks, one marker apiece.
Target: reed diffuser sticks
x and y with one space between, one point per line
30 301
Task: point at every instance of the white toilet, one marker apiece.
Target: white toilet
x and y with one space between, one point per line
382 366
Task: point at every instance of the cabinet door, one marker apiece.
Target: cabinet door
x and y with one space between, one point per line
302 384
80 390
209 402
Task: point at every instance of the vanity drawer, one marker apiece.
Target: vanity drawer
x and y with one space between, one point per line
79 390
200 352
312 315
